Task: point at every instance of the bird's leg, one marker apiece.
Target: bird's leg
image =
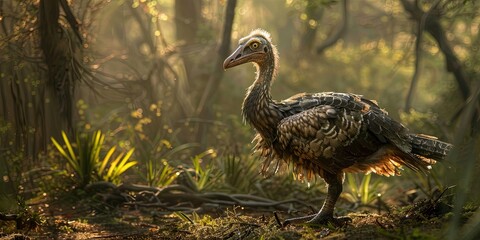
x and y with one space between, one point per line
325 215
335 188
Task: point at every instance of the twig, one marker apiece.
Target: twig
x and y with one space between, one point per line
277 219
8 217
183 216
380 224
441 194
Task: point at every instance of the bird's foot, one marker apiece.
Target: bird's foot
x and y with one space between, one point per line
328 220
318 220
297 220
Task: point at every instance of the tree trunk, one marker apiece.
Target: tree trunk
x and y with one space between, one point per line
223 51
188 17
314 11
60 53
203 110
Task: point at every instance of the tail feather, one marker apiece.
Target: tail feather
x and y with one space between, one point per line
429 147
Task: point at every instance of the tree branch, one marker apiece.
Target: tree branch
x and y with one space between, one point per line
435 29
71 19
340 30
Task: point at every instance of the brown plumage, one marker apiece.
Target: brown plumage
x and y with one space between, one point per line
325 133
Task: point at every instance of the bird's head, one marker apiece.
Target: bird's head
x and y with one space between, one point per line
256 48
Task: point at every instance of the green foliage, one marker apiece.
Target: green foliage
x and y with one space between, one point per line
363 193
158 171
429 184
83 157
82 162
160 175
239 174
111 169
202 178
11 159
155 149
22 218
184 217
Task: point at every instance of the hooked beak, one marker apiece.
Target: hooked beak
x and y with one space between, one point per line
236 58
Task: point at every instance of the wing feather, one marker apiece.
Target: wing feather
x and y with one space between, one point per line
376 119
313 136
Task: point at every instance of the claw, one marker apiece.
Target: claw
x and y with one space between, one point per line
318 220
297 220
336 222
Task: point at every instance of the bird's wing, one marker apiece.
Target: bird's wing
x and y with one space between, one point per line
375 119
319 124
313 136
305 101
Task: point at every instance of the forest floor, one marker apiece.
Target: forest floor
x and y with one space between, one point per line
424 220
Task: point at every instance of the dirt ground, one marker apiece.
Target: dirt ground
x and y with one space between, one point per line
425 220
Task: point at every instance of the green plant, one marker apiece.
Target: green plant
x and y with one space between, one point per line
429 184
160 175
154 148
363 193
82 161
202 178
111 170
239 174
21 217
158 172
83 157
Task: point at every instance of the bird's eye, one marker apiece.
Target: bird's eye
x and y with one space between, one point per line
254 45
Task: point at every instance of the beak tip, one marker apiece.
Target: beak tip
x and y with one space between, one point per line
226 63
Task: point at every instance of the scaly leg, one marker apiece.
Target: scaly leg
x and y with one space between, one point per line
325 215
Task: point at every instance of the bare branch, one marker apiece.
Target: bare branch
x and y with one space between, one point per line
71 19
340 30
435 29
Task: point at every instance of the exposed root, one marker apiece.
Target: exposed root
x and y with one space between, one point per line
181 198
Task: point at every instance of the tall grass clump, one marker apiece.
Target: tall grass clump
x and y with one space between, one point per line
86 159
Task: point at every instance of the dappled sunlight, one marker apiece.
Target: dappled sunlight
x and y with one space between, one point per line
118 119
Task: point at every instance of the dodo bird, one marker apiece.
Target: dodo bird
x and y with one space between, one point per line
325 133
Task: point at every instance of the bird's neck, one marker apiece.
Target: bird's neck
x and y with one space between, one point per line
258 107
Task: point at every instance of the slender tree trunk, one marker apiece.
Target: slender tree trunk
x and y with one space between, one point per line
418 55
416 73
314 11
188 17
223 51
340 31
203 110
